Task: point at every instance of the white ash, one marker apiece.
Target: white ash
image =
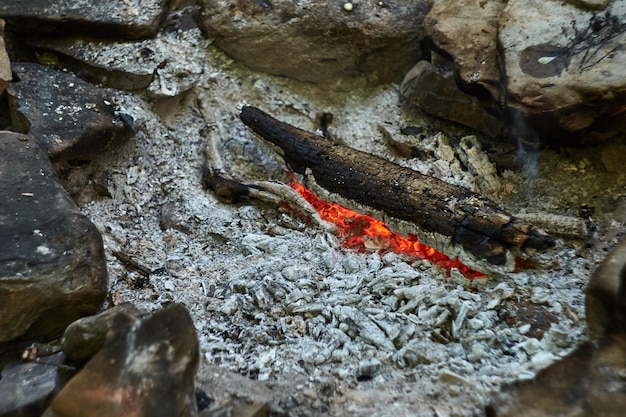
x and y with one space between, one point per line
283 303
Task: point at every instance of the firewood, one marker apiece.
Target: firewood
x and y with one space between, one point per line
464 217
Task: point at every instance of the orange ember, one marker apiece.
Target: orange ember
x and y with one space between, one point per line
362 231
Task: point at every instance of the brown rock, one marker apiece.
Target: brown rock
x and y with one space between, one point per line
27 388
231 390
69 118
612 157
468 31
146 368
605 300
166 65
587 382
322 42
554 70
86 336
565 68
435 92
52 263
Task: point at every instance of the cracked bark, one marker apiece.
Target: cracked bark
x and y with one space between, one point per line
466 218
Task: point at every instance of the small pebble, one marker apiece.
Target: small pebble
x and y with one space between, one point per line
347 6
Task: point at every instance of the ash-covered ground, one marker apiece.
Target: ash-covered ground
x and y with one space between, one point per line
329 330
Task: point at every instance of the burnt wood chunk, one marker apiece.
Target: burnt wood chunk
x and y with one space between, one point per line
467 218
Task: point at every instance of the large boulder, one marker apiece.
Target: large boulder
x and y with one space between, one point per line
565 67
553 71
52 262
468 31
324 42
146 368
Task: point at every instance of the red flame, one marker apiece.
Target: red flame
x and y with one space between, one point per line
362 231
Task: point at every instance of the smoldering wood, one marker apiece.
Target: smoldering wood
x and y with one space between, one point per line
467 218
231 190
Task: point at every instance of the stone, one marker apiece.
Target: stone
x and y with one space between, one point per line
27 388
166 65
320 42
146 368
434 91
587 382
612 157
5 63
86 336
131 19
551 71
565 68
605 299
70 118
368 369
52 262
468 31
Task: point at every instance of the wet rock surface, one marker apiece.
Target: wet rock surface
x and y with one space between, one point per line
74 120
146 367
325 42
52 265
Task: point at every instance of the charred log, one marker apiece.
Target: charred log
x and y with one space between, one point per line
466 218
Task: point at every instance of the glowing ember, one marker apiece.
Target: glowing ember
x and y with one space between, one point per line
362 231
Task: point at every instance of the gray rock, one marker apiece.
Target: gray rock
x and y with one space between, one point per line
69 117
322 42
146 368
565 67
554 70
435 92
52 263
127 18
26 388
166 65
86 336
224 385
368 368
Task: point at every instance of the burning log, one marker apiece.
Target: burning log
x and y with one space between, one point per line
463 217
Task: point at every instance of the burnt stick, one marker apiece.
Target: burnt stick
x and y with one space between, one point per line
467 218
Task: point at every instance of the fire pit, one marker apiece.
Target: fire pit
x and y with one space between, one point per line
280 300
339 252
275 295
